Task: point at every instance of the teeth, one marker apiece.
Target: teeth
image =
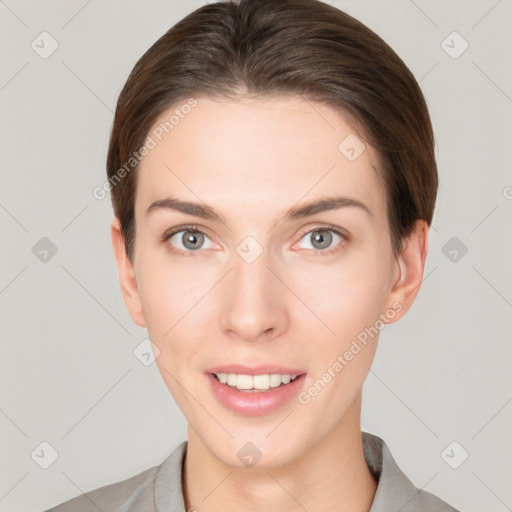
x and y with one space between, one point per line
248 382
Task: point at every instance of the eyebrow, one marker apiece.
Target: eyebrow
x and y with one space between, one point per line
297 212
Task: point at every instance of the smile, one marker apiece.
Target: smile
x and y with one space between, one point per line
254 383
255 395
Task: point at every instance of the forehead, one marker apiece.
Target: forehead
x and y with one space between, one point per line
235 154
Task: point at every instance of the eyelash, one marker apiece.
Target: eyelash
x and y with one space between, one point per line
317 252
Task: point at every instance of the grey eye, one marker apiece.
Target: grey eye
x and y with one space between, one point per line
192 240
189 240
320 239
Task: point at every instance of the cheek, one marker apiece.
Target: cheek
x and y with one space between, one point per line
348 295
349 299
177 300
170 291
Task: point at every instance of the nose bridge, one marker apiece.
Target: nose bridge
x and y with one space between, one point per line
252 297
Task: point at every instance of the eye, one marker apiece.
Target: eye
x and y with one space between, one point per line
187 239
322 238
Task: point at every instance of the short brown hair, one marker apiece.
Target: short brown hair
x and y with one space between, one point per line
265 48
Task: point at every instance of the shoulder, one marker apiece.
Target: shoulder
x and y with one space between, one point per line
112 497
136 493
394 490
427 502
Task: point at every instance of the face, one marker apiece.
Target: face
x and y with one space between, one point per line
253 281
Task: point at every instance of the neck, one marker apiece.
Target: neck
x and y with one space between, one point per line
333 475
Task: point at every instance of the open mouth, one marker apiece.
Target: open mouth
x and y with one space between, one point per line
255 383
255 395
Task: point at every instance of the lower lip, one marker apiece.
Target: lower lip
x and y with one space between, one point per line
255 404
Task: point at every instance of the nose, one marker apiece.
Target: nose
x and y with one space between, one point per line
253 301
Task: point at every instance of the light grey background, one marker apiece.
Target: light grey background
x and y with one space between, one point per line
68 373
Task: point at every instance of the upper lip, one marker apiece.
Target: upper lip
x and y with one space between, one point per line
261 369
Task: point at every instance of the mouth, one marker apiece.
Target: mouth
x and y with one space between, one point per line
254 383
254 394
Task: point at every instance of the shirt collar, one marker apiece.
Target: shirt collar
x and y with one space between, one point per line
394 490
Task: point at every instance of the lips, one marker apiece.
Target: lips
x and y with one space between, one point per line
261 369
254 402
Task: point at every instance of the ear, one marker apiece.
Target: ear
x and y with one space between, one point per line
126 272
408 275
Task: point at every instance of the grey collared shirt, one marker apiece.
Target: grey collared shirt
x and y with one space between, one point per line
159 489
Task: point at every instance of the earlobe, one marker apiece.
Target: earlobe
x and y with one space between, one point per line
410 264
127 279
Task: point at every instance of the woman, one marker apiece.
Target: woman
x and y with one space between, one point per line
273 179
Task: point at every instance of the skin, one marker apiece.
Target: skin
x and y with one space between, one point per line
252 160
